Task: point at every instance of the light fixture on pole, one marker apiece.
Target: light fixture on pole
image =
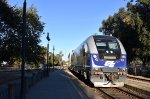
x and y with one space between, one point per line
48 39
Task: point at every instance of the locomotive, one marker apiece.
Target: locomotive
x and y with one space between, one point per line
102 60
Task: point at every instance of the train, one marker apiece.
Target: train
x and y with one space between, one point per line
102 60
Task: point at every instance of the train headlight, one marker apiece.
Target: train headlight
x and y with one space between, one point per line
107 51
122 60
111 51
98 73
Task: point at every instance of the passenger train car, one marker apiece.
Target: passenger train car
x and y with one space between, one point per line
102 60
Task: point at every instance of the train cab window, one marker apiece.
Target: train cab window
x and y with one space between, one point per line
106 44
101 45
113 45
108 47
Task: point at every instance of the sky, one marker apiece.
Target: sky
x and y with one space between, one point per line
70 22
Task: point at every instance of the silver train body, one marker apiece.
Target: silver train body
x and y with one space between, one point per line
102 60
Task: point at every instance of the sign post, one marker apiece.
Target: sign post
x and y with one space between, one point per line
23 52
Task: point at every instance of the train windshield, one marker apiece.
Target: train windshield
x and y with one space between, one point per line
104 45
108 47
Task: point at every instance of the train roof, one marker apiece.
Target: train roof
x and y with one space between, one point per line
91 43
90 38
103 36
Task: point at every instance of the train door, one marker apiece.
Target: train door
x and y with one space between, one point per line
86 63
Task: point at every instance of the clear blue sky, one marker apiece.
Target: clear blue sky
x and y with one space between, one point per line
69 22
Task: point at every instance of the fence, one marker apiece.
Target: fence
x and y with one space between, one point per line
11 89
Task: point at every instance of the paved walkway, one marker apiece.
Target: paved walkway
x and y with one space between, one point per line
57 86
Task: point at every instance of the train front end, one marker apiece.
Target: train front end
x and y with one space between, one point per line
108 65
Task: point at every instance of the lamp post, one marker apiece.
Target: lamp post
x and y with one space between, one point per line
53 57
48 39
23 51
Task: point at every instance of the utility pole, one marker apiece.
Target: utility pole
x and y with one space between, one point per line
48 39
53 57
23 52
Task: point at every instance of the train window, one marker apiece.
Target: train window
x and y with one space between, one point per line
106 43
101 45
113 45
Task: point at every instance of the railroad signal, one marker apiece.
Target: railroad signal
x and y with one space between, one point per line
48 38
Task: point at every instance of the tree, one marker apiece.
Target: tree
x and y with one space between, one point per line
10 34
10 23
57 58
141 12
34 31
60 55
132 27
119 26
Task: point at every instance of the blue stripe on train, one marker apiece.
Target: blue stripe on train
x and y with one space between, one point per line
95 61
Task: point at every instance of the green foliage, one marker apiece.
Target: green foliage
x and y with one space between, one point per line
10 34
141 1
9 37
132 27
57 58
34 31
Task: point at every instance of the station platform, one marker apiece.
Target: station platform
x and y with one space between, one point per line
59 85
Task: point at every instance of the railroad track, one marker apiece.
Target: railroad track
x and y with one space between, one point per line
120 93
139 78
138 84
129 92
126 92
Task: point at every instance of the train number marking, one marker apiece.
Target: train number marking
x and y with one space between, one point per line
109 63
